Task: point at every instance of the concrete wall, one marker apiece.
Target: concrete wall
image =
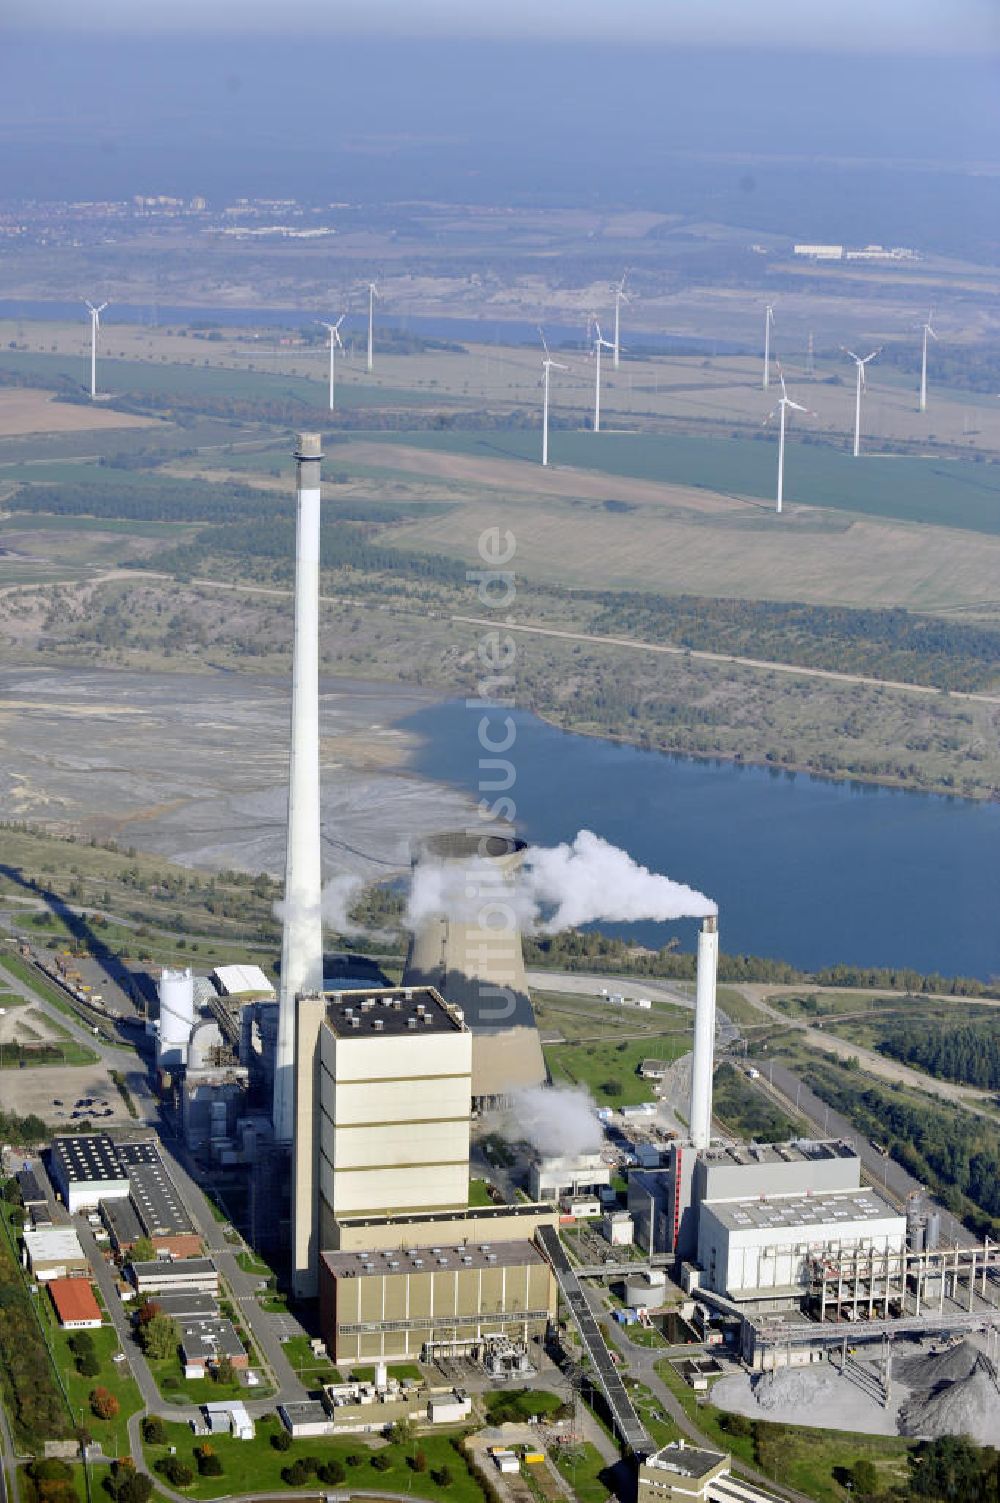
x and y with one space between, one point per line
729 1181
394 1315
740 1261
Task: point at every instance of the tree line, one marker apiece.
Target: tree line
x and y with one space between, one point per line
892 644
969 1055
950 1150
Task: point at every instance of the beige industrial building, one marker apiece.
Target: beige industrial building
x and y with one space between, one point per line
682 1473
382 1113
479 966
427 1301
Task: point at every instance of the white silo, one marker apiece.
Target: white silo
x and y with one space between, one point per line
176 1017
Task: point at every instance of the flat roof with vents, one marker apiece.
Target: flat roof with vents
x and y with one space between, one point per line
802 1211
86 1158
799 1150
450 1256
410 1011
155 1198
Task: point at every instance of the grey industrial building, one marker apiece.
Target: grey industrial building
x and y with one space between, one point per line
87 1168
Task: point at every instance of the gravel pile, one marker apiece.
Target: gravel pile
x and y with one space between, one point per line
807 1387
930 1370
954 1392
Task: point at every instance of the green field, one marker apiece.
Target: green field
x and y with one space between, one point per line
945 493
116 1377
608 1070
255 1466
146 379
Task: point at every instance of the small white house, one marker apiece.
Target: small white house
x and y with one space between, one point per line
447 1408
619 1228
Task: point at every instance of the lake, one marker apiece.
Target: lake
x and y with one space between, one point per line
803 868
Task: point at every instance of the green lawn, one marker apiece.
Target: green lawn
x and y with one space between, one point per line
479 1194
116 1377
582 1466
168 1374
518 1404
608 1070
315 1370
255 1466
946 493
399 1370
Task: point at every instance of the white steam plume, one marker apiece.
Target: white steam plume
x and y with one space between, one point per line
553 1119
558 887
335 903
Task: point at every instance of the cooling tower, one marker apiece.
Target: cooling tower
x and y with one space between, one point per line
703 1059
476 962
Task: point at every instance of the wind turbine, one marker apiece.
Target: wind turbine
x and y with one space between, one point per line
784 403
861 387
621 296
335 341
599 343
768 321
373 293
95 324
548 364
923 364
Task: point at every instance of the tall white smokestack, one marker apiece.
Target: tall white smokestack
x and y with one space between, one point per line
703 1060
302 936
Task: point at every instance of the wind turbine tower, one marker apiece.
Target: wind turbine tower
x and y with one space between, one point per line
784 403
95 324
335 343
862 383
373 293
548 364
599 343
621 296
302 928
923 364
768 321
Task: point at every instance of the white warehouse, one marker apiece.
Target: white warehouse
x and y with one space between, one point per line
761 1250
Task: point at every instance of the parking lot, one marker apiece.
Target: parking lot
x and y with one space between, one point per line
41 1091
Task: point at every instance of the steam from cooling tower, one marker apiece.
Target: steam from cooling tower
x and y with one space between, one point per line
553 1119
592 879
559 887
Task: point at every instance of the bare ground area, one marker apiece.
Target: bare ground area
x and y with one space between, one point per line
38 1089
195 766
24 410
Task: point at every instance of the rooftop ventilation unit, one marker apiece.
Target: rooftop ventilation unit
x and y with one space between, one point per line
379 1025
411 1022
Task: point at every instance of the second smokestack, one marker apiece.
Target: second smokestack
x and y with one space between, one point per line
302 935
703 1058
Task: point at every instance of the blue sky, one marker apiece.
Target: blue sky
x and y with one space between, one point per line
970 27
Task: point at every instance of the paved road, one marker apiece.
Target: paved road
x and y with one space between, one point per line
641 1363
242 1285
884 1172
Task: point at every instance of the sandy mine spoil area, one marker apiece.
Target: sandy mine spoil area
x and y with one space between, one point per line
195 767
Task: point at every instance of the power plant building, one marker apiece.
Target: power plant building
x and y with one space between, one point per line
433 1301
382 1113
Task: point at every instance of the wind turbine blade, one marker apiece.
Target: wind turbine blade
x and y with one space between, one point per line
872 355
851 353
796 406
930 331
542 337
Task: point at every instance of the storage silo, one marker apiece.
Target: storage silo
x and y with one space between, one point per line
176 991
468 947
